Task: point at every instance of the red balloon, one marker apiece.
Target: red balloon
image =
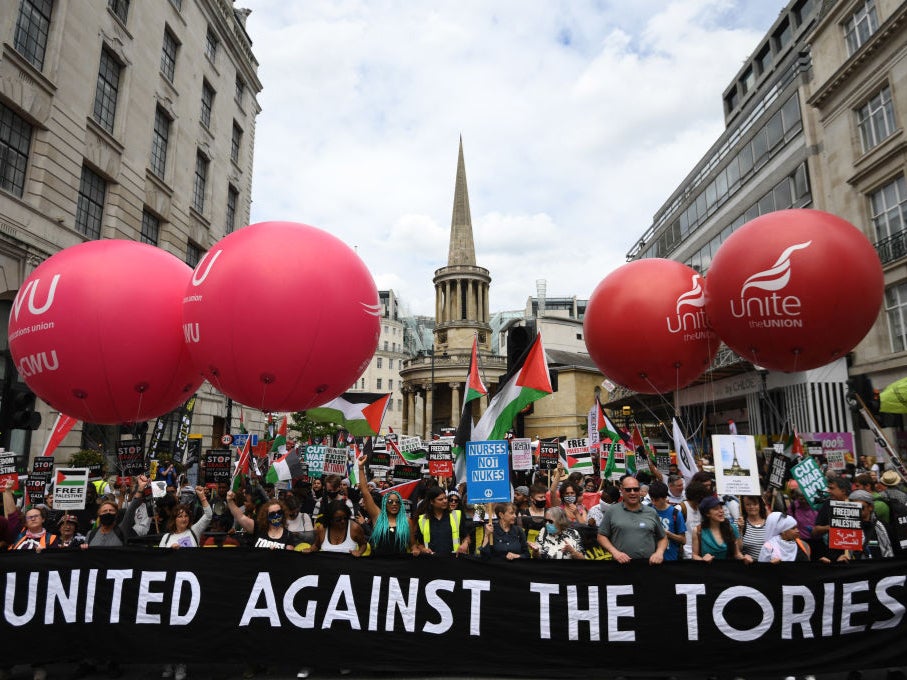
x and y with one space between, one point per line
281 316
95 332
794 289
645 327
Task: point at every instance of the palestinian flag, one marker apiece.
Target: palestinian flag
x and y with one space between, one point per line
527 382
64 479
474 390
242 466
359 413
578 460
405 489
285 467
279 445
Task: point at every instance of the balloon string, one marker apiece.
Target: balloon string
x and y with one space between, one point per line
138 408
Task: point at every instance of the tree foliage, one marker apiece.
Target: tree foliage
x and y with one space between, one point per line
303 428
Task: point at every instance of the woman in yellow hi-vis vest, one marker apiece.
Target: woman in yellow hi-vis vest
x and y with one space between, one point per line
441 531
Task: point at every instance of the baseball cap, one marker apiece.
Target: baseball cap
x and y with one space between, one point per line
709 502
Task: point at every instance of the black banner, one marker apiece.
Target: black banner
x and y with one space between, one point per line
400 615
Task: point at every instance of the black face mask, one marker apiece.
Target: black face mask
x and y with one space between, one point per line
333 494
108 519
539 504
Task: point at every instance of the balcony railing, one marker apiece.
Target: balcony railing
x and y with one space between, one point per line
892 248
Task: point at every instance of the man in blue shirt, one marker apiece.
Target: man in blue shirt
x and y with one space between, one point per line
671 519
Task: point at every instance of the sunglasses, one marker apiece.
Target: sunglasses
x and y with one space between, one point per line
630 489
393 501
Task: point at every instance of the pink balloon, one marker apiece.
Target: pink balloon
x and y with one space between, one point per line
95 332
281 316
793 290
645 327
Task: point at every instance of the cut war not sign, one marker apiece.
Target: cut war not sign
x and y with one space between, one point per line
812 484
69 488
487 472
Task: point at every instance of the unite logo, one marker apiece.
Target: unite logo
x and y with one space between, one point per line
770 310
199 281
692 323
29 292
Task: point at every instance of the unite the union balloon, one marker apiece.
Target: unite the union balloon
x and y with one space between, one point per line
645 326
281 316
95 331
793 290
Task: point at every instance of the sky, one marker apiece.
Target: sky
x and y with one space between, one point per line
578 118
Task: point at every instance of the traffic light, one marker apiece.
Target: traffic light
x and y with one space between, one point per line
22 414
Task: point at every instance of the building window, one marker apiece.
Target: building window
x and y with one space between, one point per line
378 362
207 103
783 35
193 254
860 26
747 80
211 45
390 383
875 119
764 60
889 209
201 180
385 345
168 55
160 138
120 8
32 27
105 98
90 207
378 383
896 309
151 228
235 143
240 92
15 141
232 200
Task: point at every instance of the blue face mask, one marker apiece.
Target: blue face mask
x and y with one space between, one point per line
550 528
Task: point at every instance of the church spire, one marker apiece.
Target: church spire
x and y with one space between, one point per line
462 248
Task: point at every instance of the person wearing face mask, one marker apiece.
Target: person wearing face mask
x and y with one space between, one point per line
332 491
568 496
269 529
110 533
533 522
557 540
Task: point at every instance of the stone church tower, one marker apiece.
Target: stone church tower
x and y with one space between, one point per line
434 384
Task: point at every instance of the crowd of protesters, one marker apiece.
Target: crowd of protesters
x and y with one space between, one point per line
648 516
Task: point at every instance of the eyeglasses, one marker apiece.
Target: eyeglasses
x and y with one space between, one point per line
630 489
38 516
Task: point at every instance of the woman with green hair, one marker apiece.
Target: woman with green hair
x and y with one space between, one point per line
392 532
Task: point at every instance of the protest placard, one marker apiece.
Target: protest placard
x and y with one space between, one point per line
69 488
487 472
549 453
521 453
846 530
440 459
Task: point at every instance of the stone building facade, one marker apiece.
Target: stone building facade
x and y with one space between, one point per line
118 119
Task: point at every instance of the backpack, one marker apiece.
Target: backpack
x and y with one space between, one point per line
897 523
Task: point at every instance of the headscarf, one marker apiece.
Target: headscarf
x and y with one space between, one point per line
775 546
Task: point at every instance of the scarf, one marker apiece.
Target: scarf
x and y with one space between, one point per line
775 546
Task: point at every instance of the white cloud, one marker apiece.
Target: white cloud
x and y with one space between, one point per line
579 118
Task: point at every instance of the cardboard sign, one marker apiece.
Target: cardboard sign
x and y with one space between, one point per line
43 465
736 468
487 472
335 462
217 466
440 459
778 472
549 452
69 488
407 473
846 530
130 457
521 453
410 444
811 481
8 469
314 458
